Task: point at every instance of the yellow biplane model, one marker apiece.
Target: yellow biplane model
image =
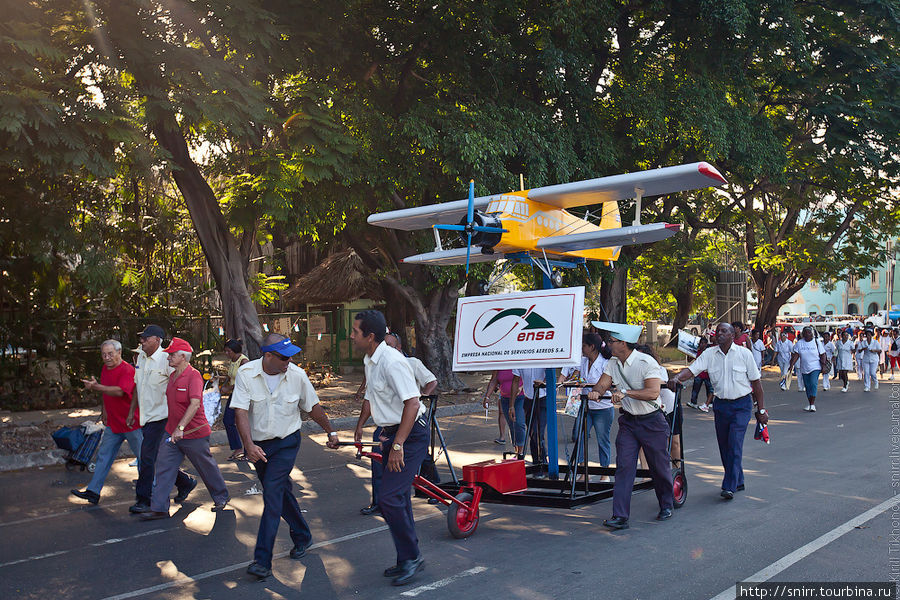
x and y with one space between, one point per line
536 222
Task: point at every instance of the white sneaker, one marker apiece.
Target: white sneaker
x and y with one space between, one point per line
876 384
704 407
844 390
865 389
891 378
812 408
133 463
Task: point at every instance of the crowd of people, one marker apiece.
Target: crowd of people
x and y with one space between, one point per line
156 406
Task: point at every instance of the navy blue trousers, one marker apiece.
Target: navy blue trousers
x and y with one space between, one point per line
732 419
234 438
395 495
153 432
279 501
651 434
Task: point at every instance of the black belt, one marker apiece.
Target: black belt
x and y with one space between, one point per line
392 429
640 417
730 399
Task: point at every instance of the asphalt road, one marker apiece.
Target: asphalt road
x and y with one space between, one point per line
795 522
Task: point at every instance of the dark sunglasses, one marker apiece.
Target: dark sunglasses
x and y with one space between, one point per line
280 356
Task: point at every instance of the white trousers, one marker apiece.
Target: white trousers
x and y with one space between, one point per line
870 373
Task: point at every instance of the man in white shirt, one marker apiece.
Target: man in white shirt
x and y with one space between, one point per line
151 377
427 383
392 399
757 347
268 395
734 376
642 424
809 356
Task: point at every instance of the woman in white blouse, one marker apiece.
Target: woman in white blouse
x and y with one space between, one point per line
600 413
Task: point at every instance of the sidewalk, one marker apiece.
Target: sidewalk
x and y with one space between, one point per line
25 440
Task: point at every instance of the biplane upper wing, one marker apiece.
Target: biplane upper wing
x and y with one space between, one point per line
607 238
655 182
456 256
423 217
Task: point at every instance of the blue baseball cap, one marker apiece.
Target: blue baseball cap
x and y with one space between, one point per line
153 331
283 347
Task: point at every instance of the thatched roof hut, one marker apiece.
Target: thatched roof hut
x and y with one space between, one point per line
342 277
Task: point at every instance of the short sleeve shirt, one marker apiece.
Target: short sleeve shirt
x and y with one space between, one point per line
731 373
117 407
783 349
389 383
872 356
273 413
591 372
420 372
631 375
179 393
528 377
505 378
809 355
151 378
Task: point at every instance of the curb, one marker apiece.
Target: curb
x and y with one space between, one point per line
46 458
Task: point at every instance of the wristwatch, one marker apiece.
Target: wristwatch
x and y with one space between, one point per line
332 433
397 447
181 428
761 411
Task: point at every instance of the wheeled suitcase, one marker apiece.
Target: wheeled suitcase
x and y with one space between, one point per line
84 455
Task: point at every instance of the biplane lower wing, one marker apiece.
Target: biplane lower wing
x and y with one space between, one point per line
606 238
456 256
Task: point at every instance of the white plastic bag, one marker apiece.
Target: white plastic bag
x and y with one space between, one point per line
212 400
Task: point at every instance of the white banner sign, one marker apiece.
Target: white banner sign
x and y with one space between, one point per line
540 329
688 343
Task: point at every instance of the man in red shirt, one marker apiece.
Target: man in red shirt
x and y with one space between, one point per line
117 386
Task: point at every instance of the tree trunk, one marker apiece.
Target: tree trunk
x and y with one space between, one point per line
684 298
222 255
613 294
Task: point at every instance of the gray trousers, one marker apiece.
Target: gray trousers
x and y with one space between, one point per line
169 459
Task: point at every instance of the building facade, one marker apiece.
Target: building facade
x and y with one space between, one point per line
852 296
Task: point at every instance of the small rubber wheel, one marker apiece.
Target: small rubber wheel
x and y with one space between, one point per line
679 487
462 521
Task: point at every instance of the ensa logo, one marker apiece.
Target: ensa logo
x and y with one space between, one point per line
495 324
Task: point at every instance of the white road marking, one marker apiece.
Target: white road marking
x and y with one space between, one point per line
185 579
103 543
800 553
442 582
846 410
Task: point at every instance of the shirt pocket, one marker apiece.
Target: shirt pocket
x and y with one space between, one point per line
287 408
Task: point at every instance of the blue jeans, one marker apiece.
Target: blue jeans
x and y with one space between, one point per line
600 420
517 426
109 448
732 419
279 501
699 382
811 383
234 438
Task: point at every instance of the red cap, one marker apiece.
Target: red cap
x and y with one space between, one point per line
178 344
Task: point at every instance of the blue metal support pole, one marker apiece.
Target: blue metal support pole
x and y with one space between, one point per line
552 443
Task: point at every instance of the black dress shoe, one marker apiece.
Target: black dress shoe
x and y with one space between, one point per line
258 571
372 509
299 550
664 513
154 515
407 569
183 492
138 508
92 497
395 570
740 488
727 494
616 523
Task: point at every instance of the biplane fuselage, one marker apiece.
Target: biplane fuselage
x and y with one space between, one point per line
527 221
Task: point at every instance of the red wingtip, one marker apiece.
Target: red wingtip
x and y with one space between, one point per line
675 226
711 172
